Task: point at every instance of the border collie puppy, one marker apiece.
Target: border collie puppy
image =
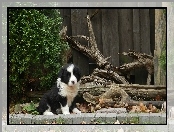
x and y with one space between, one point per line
62 95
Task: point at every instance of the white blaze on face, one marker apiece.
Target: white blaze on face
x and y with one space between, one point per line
73 79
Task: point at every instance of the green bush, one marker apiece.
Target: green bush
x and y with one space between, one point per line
35 49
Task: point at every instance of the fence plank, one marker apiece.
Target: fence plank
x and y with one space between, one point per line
79 27
152 30
110 36
136 30
141 39
145 30
125 33
66 14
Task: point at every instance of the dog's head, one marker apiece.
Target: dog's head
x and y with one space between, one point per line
69 74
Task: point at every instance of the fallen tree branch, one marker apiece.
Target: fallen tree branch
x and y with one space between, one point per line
93 52
135 91
107 98
109 74
92 36
116 90
107 70
81 36
140 60
95 12
95 79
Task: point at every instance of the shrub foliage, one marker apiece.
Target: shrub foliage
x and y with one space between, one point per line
35 49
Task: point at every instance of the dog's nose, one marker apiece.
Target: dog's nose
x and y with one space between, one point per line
72 82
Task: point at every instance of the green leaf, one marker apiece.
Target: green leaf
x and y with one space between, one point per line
29 108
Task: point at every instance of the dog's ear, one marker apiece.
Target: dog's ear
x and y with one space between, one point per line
78 72
60 74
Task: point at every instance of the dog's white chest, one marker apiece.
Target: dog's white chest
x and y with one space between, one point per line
70 98
68 92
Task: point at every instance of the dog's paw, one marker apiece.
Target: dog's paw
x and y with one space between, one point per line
75 110
48 113
66 113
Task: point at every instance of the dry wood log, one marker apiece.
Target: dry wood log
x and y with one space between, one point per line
93 78
158 104
114 89
90 98
111 93
135 91
95 100
137 86
112 75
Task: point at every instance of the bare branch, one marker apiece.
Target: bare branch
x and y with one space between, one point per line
81 36
91 34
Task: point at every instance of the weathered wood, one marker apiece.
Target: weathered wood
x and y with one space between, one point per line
140 21
79 27
96 20
110 75
160 41
145 31
158 104
125 33
142 86
114 89
109 27
133 90
96 15
116 30
136 30
136 86
136 42
144 91
140 60
98 58
94 79
108 71
106 99
152 30
65 14
93 52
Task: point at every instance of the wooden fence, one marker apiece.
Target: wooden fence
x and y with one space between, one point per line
116 31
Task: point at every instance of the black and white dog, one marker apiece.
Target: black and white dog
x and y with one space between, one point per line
62 95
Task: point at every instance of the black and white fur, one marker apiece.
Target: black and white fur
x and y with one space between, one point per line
62 95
